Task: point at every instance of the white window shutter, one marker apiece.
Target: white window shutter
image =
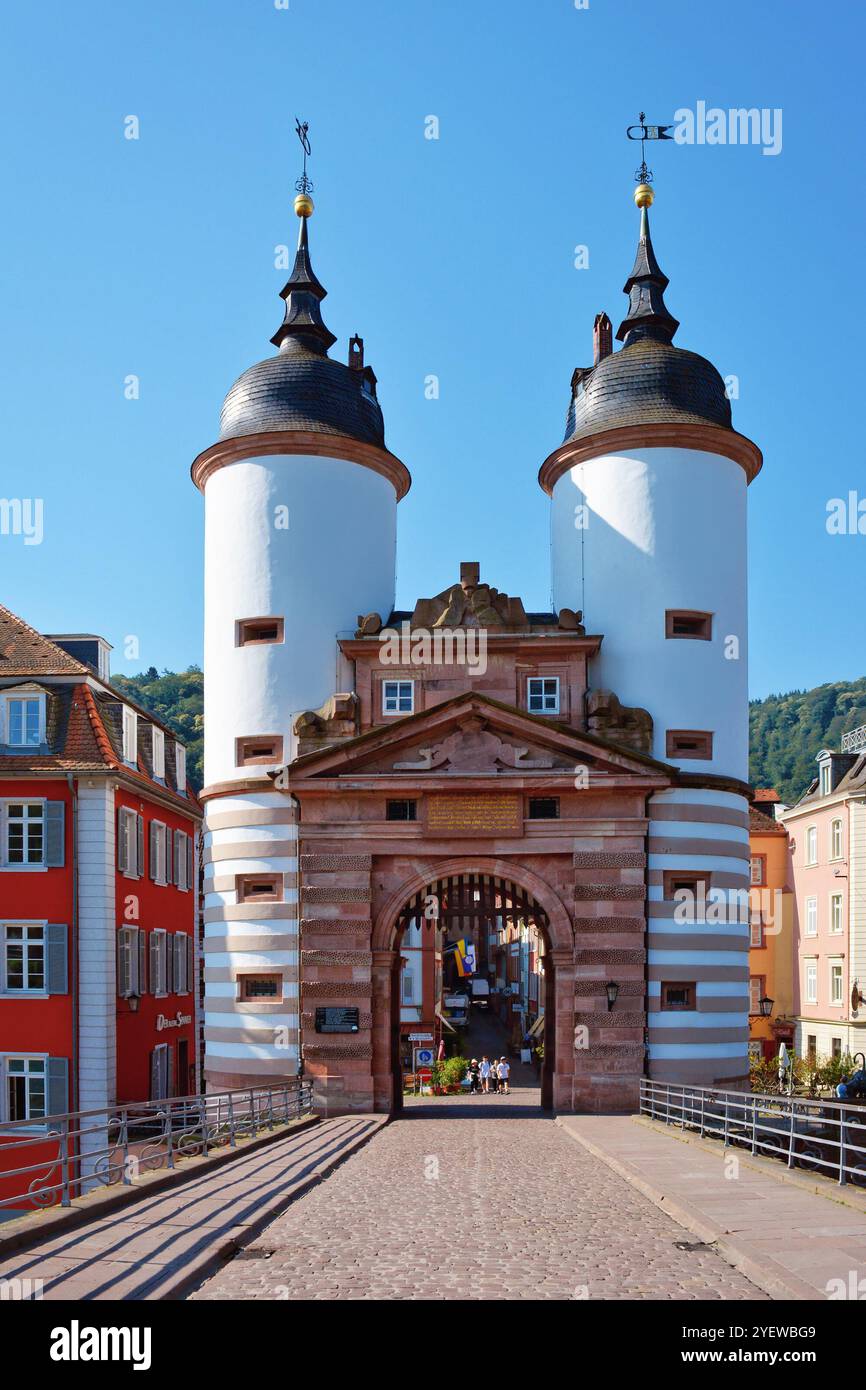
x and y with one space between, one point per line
139 846
58 1086
153 850
154 963
124 964
57 954
168 855
190 964
169 964
142 961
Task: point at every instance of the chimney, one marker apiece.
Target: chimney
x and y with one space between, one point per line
356 353
602 338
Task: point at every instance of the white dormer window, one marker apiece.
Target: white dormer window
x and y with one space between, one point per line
180 767
398 697
543 694
158 753
24 721
130 735
824 775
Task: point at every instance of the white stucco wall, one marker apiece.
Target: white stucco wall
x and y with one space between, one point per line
336 559
665 529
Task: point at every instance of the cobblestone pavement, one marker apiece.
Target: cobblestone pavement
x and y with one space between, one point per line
476 1197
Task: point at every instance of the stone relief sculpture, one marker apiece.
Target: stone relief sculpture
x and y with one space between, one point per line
608 718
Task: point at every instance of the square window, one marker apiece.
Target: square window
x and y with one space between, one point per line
678 996
398 697
401 810
544 808
25 1088
542 694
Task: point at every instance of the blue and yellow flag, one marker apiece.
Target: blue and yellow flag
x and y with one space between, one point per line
465 956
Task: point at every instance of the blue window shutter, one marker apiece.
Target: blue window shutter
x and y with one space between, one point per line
57 974
58 1086
55 821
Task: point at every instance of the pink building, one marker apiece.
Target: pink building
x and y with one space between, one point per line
827 829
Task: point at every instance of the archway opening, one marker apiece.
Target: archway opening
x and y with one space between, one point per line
473 977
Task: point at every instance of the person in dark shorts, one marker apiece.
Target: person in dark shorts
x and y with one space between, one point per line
474 1076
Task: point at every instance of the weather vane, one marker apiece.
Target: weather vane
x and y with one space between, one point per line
304 185
644 132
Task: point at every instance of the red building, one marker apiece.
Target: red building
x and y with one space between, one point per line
98 886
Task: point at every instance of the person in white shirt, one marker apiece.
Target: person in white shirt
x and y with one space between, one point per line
485 1075
504 1071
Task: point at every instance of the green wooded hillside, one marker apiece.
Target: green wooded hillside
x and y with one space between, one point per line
177 698
786 732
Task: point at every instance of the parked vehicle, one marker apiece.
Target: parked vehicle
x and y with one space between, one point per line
480 993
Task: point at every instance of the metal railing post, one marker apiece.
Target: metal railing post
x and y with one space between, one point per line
203 1113
124 1146
231 1110
842 1148
754 1126
168 1135
702 1114
64 1161
726 1121
270 1109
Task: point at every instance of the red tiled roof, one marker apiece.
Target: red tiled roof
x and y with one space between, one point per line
762 824
25 652
766 794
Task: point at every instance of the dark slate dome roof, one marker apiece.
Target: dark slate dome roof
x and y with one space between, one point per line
299 389
302 388
648 382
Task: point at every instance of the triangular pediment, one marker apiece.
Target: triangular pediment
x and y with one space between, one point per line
473 735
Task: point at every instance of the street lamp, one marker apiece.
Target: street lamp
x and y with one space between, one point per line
766 1006
612 991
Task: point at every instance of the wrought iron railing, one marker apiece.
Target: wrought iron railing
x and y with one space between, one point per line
855 741
819 1135
92 1148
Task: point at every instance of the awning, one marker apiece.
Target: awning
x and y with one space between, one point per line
536 1027
443 1019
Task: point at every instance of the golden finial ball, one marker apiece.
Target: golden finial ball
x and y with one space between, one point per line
644 196
304 205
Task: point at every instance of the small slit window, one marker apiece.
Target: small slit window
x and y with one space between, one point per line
401 810
266 749
259 888
258 632
268 986
544 808
678 996
680 622
689 743
675 881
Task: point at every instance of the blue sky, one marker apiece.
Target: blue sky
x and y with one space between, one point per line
452 257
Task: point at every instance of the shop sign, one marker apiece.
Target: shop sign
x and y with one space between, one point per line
178 1021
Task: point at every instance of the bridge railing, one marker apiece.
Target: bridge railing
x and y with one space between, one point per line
55 1158
819 1135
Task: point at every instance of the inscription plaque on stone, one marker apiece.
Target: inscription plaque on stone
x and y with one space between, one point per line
337 1020
477 813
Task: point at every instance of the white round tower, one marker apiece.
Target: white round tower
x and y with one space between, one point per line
648 537
300 538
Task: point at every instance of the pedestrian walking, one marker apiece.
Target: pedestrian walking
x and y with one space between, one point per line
504 1071
474 1077
485 1075
494 1077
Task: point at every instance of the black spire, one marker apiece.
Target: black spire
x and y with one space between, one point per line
647 314
303 294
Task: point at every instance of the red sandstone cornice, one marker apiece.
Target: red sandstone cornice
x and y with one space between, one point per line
339 446
707 439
